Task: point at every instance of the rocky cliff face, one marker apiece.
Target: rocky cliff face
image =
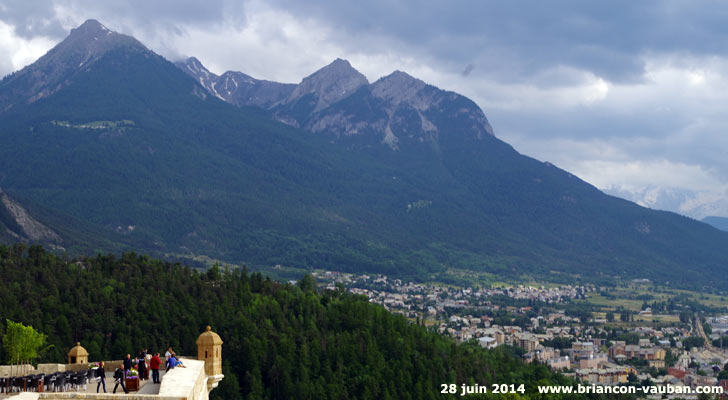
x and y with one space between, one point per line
20 225
338 101
193 67
328 85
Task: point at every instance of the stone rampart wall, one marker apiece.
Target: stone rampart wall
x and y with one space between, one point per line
188 383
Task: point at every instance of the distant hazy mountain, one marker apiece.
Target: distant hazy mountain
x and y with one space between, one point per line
117 148
718 222
693 204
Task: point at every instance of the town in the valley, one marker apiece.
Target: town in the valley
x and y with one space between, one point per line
669 338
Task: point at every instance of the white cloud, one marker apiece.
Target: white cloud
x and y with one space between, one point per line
635 175
272 44
17 51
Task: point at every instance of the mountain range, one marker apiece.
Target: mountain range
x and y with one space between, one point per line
338 101
109 146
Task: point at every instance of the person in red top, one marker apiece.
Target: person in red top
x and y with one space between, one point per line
154 364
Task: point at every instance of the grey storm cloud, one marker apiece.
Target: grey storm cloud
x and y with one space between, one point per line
508 40
42 17
31 19
515 39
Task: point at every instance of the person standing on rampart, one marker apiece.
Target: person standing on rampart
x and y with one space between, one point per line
101 374
119 378
154 364
142 365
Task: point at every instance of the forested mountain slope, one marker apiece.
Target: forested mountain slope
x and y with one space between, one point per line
280 341
113 147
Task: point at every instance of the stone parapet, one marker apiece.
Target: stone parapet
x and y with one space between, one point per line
48 369
15 370
189 382
90 396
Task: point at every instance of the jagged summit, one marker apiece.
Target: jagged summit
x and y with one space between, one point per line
236 87
339 68
84 45
193 67
330 84
234 76
325 102
91 26
399 86
93 38
398 75
400 78
344 66
193 64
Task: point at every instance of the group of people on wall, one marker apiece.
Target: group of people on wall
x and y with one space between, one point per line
141 367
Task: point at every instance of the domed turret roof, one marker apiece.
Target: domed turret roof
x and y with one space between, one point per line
77 351
209 338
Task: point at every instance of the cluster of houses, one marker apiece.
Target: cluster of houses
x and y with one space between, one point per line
654 355
432 300
596 360
584 359
590 357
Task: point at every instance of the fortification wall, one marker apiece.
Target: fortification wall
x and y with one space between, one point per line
188 383
15 370
27 369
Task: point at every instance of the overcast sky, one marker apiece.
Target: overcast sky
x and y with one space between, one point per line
621 93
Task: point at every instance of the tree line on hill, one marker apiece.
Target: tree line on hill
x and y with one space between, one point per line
281 341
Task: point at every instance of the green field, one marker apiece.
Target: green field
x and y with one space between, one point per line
632 298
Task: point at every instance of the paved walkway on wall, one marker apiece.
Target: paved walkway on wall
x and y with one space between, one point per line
146 386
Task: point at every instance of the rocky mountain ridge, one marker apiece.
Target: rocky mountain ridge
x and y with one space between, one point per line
329 84
338 101
236 87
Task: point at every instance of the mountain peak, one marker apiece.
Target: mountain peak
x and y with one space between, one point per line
93 37
83 46
330 84
91 26
192 61
341 70
193 65
397 74
340 63
400 86
400 78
